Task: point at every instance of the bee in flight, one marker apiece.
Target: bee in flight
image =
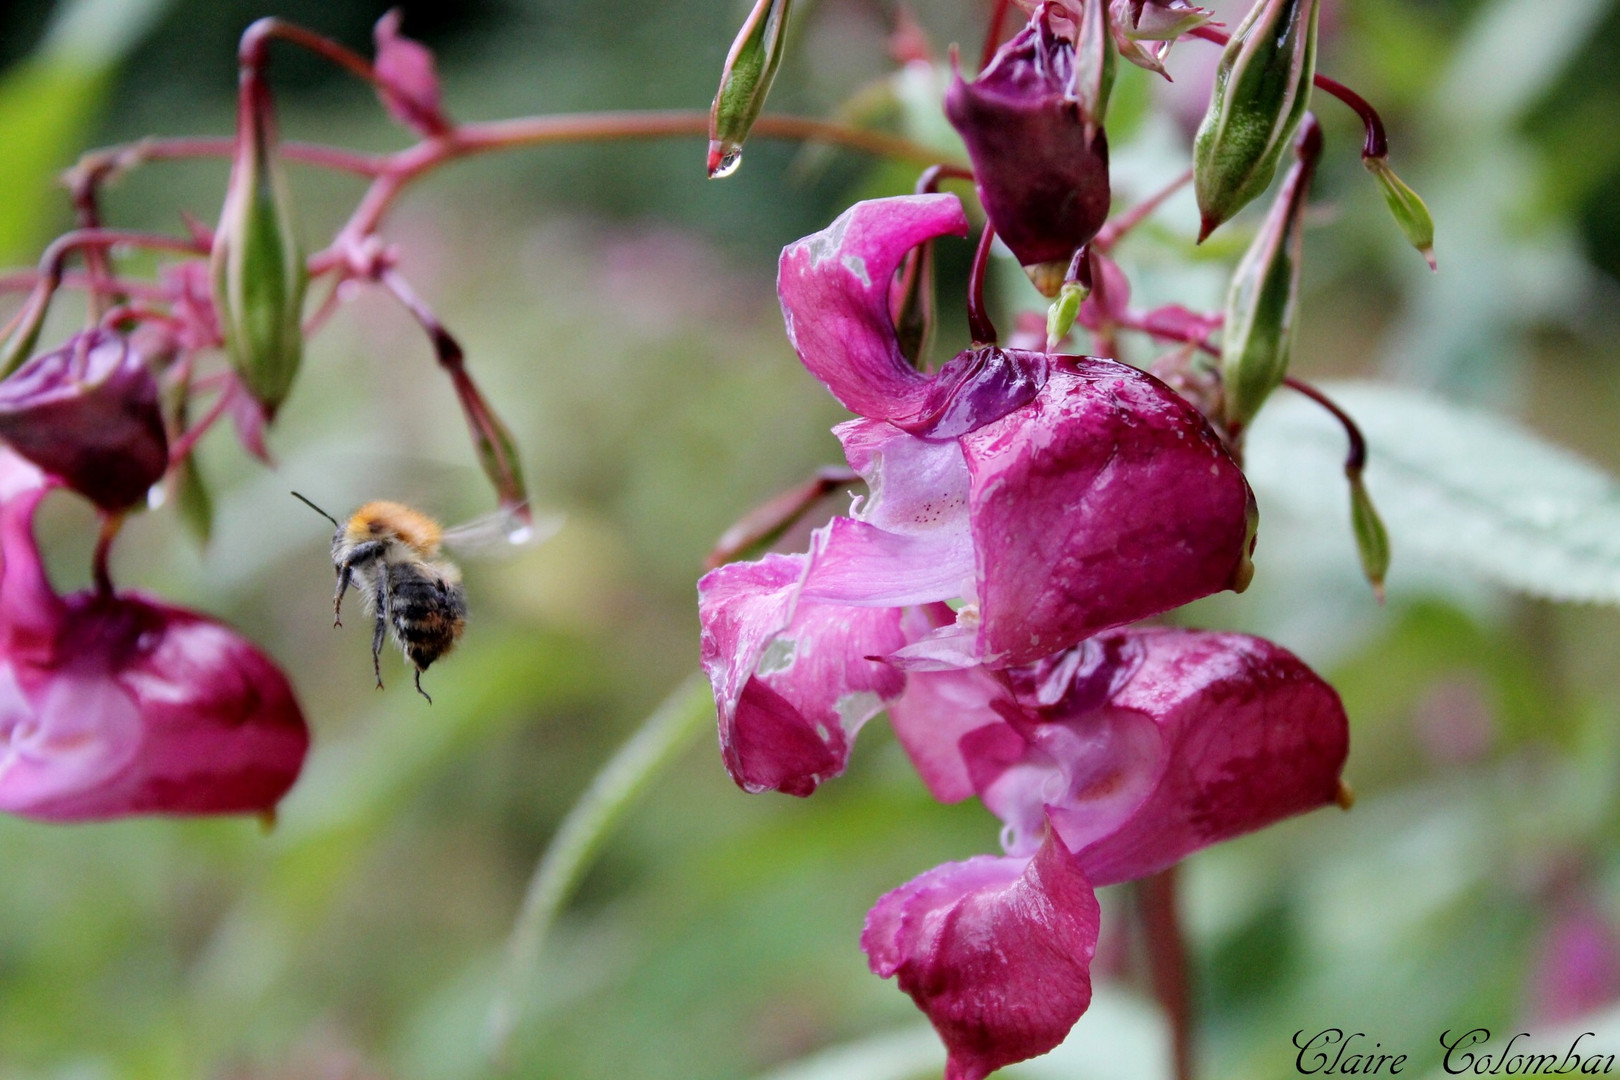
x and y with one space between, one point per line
389 553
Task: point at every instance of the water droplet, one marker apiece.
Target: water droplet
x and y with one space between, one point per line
729 161
156 496
519 532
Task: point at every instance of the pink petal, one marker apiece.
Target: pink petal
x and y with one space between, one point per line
145 709
791 679
1105 500
932 716
834 288
854 563
996 951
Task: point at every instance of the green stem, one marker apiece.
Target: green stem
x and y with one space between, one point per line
659 740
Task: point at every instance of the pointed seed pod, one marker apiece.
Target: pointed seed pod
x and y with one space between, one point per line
745 81
258 270
1260 305
1262 89
1372 539
1406 207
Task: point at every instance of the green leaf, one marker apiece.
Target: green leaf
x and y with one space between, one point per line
47 104
1456 487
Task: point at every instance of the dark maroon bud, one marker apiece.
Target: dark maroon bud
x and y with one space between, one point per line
88 415
1042 181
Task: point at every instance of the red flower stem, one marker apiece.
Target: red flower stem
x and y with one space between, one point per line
26 280
253 51
182 447
768 521
110 524
1135 320
1167 964
97 166
96 262
980 327
24 327
992 34
1376 144
482 138
490 437
1111 233
328 308
1356 459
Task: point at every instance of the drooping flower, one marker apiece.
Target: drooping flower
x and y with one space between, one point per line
1054 497
88 414
1106 762
1040 168
118 704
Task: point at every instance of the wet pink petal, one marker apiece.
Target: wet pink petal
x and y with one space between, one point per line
112 705
996 951
791 680
1140 748
852 562
834 288
407 78
1105 500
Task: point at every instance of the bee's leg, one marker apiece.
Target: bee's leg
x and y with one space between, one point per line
419 689
384 602
345 575
362 554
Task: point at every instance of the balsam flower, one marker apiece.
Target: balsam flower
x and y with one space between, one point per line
1107 762
1054 497
114 704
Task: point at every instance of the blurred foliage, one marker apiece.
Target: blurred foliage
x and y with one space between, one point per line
620 309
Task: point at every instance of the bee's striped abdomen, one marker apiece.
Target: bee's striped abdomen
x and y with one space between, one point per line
426 611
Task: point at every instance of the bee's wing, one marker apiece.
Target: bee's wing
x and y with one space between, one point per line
503 531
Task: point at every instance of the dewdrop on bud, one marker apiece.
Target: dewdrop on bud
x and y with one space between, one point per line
751 67
1262 90
1406 207
258 270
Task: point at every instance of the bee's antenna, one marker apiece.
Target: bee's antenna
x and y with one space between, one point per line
317 509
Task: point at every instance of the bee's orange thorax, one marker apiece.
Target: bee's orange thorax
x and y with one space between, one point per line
382 520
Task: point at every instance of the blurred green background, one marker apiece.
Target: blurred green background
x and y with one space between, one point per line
619 309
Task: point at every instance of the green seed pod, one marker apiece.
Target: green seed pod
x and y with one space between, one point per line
1262 89
1372 540
1259 325
1064 310
1407 208
746 79
258 269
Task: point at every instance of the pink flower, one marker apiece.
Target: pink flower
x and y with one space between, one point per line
116 704
1107 762
88 414
1054 497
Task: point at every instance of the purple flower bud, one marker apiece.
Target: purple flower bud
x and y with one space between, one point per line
1042 180
407 79
113 704
88 415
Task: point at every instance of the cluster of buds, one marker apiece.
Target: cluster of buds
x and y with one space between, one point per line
115 703
1026 510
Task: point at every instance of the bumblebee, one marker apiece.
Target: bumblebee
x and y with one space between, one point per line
389 553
